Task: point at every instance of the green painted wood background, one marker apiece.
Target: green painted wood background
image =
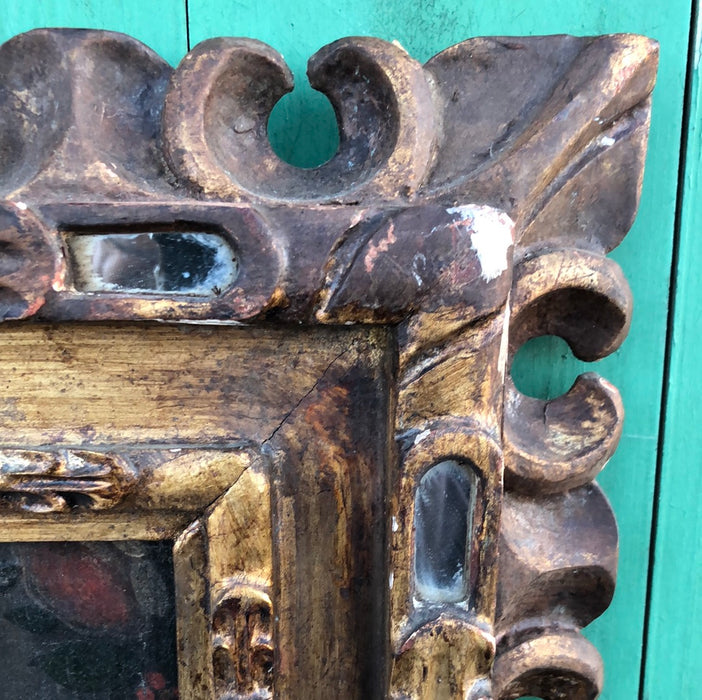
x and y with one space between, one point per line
650 636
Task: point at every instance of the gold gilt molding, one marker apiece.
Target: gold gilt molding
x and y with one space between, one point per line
469 208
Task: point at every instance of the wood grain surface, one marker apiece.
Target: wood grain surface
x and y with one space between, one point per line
157 384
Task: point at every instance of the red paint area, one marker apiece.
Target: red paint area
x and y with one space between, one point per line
80 585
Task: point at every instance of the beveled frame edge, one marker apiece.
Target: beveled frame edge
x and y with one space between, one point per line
138 504
197 517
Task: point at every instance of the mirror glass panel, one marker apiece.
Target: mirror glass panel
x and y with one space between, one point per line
199 264
443 514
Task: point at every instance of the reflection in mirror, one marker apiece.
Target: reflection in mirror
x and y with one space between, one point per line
200 264
443 514
89 620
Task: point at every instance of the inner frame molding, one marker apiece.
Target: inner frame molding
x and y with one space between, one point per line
469 208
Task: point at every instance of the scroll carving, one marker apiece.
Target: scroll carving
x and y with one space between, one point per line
56 482
584 298
469 208
221 95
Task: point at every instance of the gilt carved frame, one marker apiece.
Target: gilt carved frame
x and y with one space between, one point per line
469 208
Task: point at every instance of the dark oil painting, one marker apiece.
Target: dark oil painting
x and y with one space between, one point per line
87 621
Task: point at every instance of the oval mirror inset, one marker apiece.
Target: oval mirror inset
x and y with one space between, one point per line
195 264
443 514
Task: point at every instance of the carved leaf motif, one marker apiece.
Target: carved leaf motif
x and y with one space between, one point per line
242 642
424 258
224 573
55 482
551 130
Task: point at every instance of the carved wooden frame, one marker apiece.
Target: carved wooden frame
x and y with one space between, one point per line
469 208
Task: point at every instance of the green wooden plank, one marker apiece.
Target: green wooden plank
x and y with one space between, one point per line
674 652
158 23
426 28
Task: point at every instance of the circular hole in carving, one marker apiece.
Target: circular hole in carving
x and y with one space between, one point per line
544 367
302 128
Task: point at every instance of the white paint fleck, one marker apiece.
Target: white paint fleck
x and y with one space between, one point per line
391 580
417 260
395 525
356 219
21 206
606 141
491 237
395 42
422 436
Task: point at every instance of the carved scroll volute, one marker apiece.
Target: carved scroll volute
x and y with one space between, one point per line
217 108
584 298
224 581
558 536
